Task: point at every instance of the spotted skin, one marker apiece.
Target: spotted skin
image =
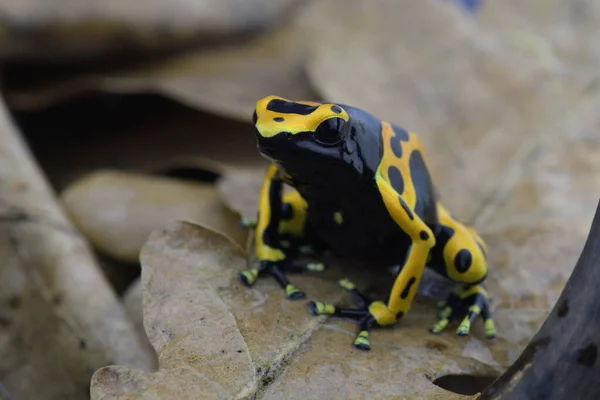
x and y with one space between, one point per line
362 188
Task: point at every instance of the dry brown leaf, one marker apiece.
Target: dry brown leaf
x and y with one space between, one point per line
132 300
240 189
561 36
117 211
218 338
437 72
60 319
226 80
81 29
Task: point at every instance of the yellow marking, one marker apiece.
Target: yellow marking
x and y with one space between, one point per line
346 284
293 123
324 308
490 329
316 267
250 275
475 308
446 312
440 325
463 293
389 159
419 252
382 314
338 218
264 252
248 222
464 238
291 289
362 339
295 225
464 327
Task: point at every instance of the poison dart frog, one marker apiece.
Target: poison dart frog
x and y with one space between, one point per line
360 187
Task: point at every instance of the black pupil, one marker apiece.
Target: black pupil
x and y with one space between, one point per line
330 131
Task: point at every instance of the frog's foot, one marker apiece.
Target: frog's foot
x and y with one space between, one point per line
469 300
247 223
278 271
368 314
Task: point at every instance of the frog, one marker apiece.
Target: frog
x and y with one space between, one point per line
343 181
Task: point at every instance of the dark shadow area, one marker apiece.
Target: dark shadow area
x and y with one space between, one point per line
120 274
467 385
192 174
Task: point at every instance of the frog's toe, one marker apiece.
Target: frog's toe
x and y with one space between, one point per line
490 329
474 306
308 267
293 293
439 326
317 308
248 277
362 342
247 223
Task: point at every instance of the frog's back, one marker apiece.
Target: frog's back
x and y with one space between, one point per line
396 155
355 221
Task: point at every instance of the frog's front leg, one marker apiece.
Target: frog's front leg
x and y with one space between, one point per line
277 221
378 313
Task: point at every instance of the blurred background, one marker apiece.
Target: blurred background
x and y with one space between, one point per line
137 113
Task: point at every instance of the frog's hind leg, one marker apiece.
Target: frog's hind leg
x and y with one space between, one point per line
279 231
461 253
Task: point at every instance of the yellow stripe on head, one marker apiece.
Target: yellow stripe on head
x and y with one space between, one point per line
276 115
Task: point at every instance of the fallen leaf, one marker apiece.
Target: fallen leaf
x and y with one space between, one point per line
480 111
558 35
132 300
240 189
92 29
60 320
225 80
219 338
116 211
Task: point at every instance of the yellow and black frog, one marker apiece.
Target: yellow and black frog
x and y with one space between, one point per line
360 187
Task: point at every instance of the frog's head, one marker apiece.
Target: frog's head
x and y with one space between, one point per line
301 136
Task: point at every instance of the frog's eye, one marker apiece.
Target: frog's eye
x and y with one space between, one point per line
331 131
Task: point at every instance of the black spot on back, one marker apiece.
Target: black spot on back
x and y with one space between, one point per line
406 209
288 107
424 235
396 147
396 140
588 355
336 109
463 261
396 180
287 211
563 309
278 119
425 206
406 289
400 133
